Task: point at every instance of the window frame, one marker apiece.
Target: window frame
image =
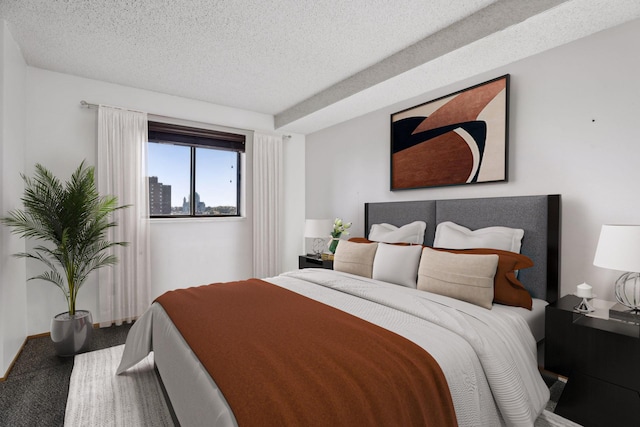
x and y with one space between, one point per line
193 138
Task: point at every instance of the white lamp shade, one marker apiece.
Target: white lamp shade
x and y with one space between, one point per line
318 228
619 248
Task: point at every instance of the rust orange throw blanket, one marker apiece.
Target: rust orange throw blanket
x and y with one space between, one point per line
282 359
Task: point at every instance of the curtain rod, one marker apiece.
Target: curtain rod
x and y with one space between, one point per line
86 104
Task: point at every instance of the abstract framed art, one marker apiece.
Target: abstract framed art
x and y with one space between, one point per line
461 138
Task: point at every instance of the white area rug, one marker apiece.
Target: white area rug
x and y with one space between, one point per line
97 397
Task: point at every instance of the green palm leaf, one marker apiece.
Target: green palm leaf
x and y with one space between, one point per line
71 219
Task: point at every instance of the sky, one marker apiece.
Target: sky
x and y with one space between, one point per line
215 173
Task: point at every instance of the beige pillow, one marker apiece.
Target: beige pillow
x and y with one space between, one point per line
461 276
355 258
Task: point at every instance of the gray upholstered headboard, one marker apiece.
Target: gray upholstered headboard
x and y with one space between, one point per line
538 216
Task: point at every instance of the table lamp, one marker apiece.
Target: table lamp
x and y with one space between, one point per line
319 230
619 249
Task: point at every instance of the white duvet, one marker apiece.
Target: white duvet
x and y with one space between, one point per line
487 356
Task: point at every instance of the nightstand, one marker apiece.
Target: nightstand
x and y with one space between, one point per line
601 359
305 261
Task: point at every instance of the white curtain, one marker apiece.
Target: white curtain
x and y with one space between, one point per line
267 201
125 289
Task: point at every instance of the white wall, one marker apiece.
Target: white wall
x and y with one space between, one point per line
60 134
573 130
13 318
292 221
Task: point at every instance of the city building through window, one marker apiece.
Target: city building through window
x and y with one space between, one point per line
193 172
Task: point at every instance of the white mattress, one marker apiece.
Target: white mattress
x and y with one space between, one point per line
488 357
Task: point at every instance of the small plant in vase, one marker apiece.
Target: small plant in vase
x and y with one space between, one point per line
339 228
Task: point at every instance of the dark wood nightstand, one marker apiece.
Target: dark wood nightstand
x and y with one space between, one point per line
601 359
305 261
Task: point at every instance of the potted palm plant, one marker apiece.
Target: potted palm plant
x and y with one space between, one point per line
71 221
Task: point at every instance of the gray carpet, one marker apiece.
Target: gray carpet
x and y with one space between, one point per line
35 392
556 390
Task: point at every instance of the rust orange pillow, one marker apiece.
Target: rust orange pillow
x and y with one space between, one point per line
359 240
365 240
507 289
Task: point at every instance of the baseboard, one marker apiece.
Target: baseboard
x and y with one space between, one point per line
48 334
43 334
116 322
13 362
30 337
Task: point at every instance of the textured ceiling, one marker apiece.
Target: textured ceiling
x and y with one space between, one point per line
299 60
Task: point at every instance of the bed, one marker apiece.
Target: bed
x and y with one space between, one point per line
488 357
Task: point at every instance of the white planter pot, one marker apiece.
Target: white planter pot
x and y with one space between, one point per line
71 334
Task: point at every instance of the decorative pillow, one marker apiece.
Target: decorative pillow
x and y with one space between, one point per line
409 233
461 276
453 236
507 289
397 264
355 258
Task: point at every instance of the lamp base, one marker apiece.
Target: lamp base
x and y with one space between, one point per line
621 312
318 246
628 290
584 306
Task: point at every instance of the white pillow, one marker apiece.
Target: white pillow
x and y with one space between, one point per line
409 233
453 236
461 276
397 264
355 258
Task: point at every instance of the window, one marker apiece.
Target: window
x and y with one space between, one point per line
193 172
